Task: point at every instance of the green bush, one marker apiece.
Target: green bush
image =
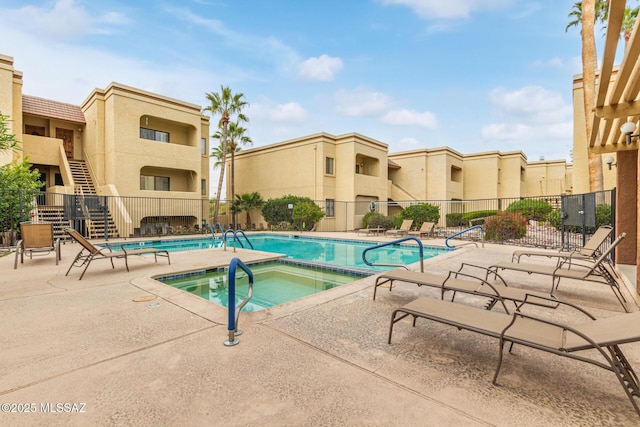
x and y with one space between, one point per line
454 219
531 209
477 214
276 211
505 226
603 215
366 219
423 212
305 214
555 218
380 221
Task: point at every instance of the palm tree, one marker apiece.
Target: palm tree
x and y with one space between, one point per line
248 202
226 104
236 135
585 14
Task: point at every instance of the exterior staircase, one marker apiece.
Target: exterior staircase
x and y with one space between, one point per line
86 196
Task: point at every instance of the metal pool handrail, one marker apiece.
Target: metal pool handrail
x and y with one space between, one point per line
395 242
219 227
235 237
233 312
446 242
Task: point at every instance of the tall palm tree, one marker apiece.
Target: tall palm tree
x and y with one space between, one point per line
225 104
248 202
586 13
236 135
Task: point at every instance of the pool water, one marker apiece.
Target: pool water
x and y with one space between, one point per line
274 283
345 253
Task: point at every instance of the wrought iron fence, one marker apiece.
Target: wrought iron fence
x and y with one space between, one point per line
563 221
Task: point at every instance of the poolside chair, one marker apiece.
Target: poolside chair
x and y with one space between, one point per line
599 271
95 252
457 281
595 341
36 238
402 231
590 251
426 229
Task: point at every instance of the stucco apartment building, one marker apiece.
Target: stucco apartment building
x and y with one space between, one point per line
345 173
121 141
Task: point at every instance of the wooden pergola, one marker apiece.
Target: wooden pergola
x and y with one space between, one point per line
617 98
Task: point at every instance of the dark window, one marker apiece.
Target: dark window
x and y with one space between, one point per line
155 183
329 169
203 187
330 207
154 135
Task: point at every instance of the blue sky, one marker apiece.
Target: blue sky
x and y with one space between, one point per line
474 75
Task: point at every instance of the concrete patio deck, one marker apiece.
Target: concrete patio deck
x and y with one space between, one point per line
323 360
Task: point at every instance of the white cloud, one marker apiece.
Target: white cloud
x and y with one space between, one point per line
361 102
322 68
291 112
449 9
410 118
531 113
66 20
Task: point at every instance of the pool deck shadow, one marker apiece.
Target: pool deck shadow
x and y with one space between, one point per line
128 350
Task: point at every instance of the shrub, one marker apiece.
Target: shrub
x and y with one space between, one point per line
380 221
603 215
555 218
505 226
423 212
305 214
531 209
276 211
366 219
454 219
476 214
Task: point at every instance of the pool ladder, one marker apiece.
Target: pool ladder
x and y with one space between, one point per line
233 311
235 238
394 242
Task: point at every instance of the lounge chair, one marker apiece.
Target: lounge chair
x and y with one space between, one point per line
371 231
595 341
425 229
95 252
599 271
457 281
590 251
36 238
403 230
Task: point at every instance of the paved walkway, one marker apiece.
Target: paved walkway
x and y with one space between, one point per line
110 360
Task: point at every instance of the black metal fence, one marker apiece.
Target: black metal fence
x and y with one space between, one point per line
563 221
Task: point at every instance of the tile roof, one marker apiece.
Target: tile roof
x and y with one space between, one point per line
52 109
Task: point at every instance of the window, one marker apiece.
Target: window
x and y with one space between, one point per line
330 207
203 187
329 166
154 135
203 146
456 174
155 183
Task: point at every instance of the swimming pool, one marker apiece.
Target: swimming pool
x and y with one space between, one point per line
275 283
344 253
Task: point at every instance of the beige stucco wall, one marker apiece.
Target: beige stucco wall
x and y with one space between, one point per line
118 155
11 103
298 167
